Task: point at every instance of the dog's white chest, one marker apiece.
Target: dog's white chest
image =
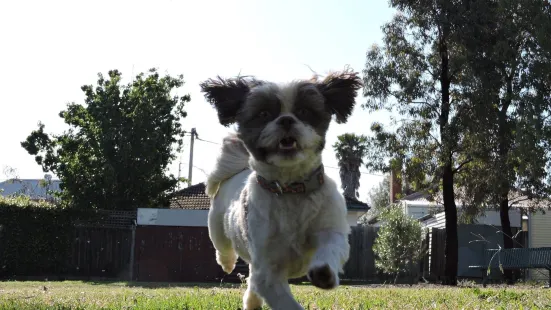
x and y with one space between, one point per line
283 224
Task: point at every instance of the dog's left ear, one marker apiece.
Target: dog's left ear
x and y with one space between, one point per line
227 96
340 90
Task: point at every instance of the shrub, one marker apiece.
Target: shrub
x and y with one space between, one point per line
398 246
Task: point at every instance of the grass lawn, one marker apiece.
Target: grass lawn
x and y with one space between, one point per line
82 295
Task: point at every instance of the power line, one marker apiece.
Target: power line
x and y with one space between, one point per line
198 168
199 139
365 173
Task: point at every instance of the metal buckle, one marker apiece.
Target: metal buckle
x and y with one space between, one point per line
280 190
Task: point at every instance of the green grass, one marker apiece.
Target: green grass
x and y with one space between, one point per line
81 295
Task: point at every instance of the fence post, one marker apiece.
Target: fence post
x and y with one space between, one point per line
132 244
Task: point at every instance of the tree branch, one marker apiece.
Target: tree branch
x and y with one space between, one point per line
453 76
511 203
435 140
462 164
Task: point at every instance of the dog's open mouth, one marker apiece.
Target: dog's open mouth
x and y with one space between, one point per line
288 144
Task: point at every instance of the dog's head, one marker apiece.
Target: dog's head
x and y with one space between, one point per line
283 125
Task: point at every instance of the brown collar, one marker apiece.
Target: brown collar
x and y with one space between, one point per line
313 182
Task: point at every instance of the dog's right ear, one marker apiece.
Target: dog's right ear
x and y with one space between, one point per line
227 96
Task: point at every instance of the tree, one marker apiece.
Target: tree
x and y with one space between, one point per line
398 245
350 150
119 144
380 195
509 70
379 200
415 74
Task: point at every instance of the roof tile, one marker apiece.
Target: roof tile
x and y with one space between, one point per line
191 198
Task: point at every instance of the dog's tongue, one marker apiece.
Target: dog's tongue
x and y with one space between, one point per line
287 144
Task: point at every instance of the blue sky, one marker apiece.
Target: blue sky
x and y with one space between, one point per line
50 48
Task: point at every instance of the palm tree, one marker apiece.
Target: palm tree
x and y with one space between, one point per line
350 150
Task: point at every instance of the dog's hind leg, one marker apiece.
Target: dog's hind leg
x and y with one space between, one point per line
251 300
225 254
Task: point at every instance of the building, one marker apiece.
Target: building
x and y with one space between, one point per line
538 225
188 207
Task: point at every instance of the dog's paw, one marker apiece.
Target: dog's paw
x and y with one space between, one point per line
251 301
323 277
227 262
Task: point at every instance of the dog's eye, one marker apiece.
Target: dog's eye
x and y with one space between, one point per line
263 114
302 112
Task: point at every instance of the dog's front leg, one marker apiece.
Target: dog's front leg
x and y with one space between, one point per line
332 250
273 287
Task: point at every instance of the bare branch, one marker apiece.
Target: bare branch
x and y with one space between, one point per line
435 140
520 199
461 165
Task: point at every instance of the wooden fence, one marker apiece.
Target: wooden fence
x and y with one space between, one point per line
435 254
100 252
175 254
361 262
106 250
473 240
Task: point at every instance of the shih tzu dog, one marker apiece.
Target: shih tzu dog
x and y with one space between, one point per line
271 202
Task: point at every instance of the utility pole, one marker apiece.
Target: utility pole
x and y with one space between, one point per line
193 136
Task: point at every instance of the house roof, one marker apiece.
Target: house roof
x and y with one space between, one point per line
425 217
354 204
417 196
194 198
516 198
34 188
191 198
373 219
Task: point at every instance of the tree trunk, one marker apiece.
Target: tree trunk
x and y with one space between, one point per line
447 174
450 211
503 150
508 242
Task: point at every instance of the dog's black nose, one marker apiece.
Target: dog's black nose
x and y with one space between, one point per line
286 122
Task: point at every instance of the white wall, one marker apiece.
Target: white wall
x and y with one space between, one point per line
489 218
539 230
493 218
417 211
197 218
353 216
172 217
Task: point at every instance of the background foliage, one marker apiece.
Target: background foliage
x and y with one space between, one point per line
399 242
120 142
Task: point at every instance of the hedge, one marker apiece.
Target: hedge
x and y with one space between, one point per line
35 237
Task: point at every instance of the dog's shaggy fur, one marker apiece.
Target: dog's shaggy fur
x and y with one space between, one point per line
280 137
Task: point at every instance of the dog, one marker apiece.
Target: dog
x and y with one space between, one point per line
271 202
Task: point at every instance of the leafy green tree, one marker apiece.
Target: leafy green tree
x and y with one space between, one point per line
398 246
379 199
509 81
415 75
350 150
116 152
380 196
